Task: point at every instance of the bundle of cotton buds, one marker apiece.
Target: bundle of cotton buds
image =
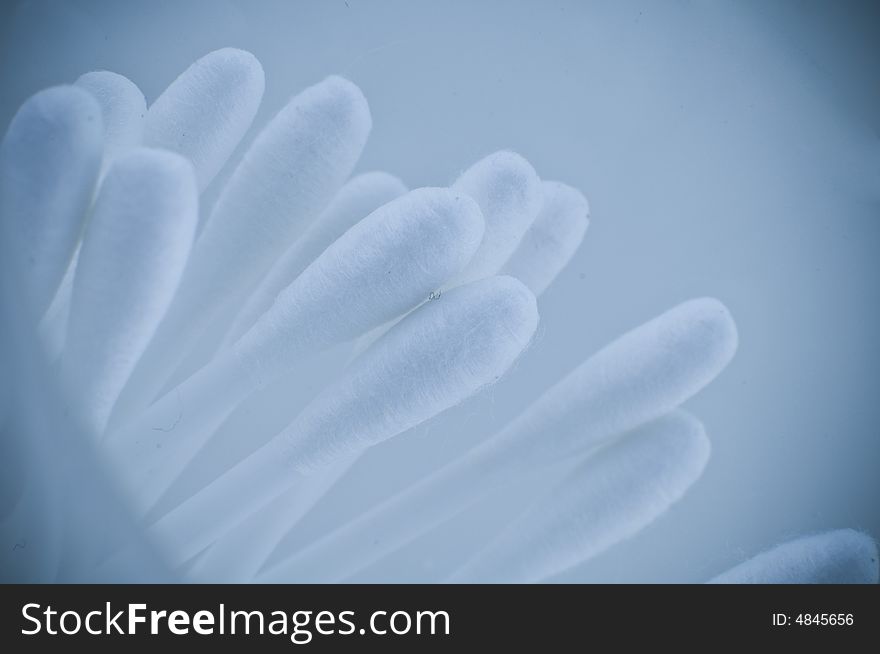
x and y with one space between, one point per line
434 291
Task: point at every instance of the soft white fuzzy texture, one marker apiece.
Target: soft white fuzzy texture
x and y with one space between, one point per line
206 111
133 253
438 356
123 110
639 377
49 162
552 239
386 264
546 248
508 191
359 197
612 496
291 171
843 556
238 555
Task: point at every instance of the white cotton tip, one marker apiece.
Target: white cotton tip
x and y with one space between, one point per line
386 264
49 162
123 110
612 496
206 111
288 175
358 198
435 358
552 239
506 223
292 170
641 376
133 254
432 360
844 556
509 193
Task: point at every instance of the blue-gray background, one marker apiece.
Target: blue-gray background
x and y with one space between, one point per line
727 149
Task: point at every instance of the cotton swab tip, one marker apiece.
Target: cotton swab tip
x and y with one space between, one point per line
205 112
844 556
49 162
508 190
123 109
433 359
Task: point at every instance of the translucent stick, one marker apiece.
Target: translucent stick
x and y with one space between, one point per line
612 496
52 328
387 263
238 555
844 556
435 358
133 254
639 377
